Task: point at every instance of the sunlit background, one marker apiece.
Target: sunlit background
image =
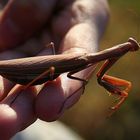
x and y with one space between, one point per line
88 116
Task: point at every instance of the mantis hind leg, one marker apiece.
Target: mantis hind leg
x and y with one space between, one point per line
112 84
71 74
50 71
51 45
84 81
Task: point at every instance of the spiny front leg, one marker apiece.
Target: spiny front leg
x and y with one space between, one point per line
113 85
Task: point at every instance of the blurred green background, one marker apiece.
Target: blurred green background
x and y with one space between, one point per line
88 116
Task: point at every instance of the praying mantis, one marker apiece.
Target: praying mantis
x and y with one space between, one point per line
37 70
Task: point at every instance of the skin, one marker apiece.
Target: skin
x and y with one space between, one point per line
77 27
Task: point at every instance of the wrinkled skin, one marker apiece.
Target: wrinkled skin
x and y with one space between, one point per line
25 29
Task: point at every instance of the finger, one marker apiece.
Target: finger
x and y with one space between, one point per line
72 88
55 98
18 115
49 101
38 45
59 95
94 13
21 18
5 87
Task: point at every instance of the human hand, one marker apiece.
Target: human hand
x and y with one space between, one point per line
74 26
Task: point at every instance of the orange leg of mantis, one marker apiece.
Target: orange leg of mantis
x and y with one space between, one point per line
49 71
112 84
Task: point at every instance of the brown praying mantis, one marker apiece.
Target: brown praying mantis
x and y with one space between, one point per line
37 70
